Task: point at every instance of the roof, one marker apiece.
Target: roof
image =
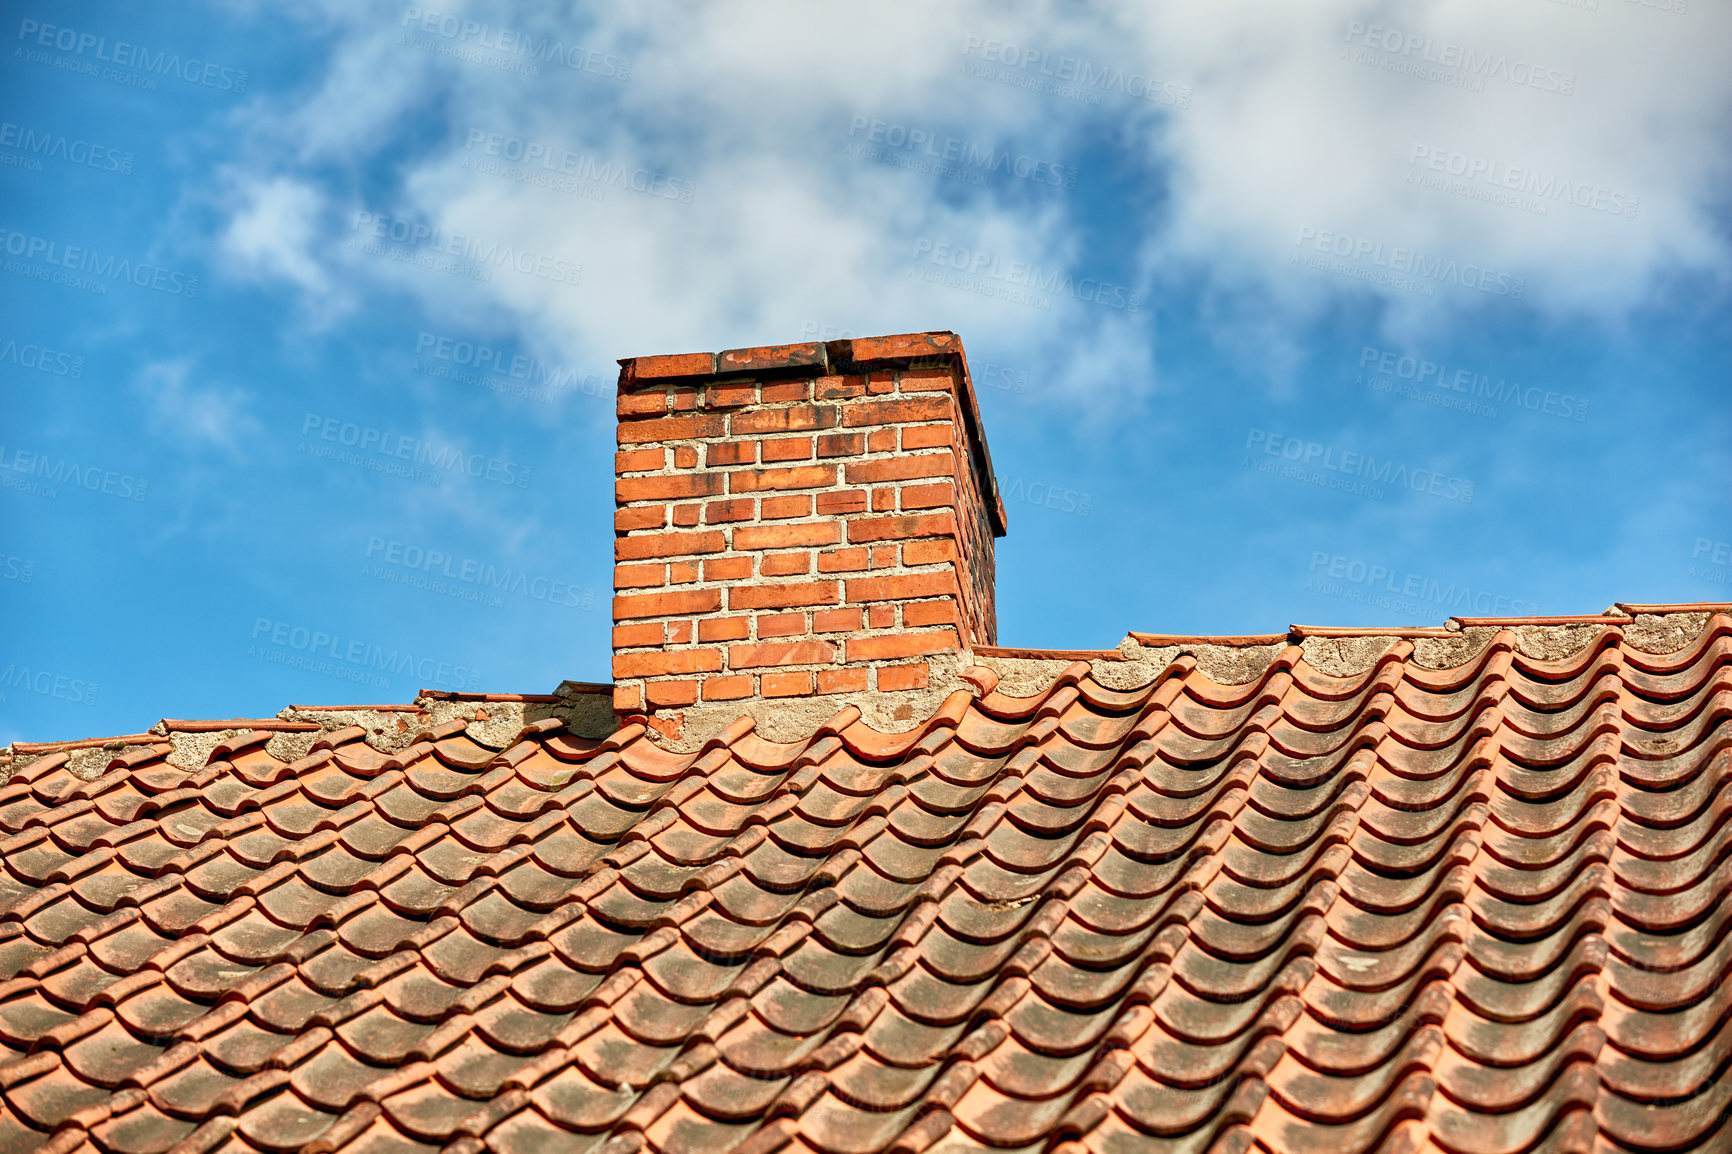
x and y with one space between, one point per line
1358 895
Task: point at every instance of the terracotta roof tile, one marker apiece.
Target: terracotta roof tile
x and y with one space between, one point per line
1480 907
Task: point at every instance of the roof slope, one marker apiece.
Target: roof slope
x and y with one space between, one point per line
1482 908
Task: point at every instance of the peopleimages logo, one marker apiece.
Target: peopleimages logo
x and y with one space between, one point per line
512 42
63 472
489 360
1717 552
1373 584
87 262
19 675
1436 375
1049 496
986 160
1470 62
477 253
134 56
1496 175
363 661
466 578
34 147
990 375
1710 559
1071 76
522 157
383 451
1412 262
1364 470
1017 280
42 359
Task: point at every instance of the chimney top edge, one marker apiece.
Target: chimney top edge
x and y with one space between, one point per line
846 355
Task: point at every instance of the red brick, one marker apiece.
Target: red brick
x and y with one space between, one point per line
903 346
627 698
840 502
639 460
684 400
793 419
781 625
836 620
904 411
881 616
841 445
901 645
628 606
785 564
841 680
786 684
643 517
839 388
673 488
797 505
881 441
883 556
842 560
729 396
785 449
781 653
787 536
674 365
637 634
935 551
799 390
734 509
730 688
884 500
686 516
939 496
928 437
902 677
793 477
919 613
727 568
651 402
730 453
900 468
671 661
902 587
724 628
782 596
639 576
671 694
882 381
669 725
905 525
680 632
667 545
671 429
685 457
926 380
682 572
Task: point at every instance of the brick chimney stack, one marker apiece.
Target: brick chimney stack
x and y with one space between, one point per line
800 527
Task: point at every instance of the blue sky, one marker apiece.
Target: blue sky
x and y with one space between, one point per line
1337 313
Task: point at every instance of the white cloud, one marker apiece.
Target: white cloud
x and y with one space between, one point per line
186 414
273 231
1289 131
752 103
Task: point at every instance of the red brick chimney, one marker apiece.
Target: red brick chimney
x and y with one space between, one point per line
799 527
